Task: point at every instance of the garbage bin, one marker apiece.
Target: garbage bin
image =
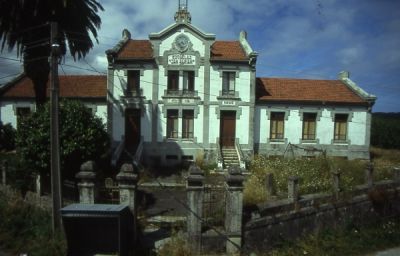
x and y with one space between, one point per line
98 229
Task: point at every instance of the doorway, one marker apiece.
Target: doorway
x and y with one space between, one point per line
227 129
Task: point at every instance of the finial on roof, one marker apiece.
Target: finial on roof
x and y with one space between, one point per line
344 74
243 34
126 34
183 15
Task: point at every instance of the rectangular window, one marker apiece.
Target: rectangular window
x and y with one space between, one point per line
187 124
309 126
188 81
172 123
173 81
340 126
133 86
277 125
228 83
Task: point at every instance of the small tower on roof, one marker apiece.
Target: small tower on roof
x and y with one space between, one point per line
183 15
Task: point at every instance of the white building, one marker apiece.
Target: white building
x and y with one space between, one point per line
182 94
18 97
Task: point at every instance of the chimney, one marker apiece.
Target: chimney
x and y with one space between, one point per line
343 75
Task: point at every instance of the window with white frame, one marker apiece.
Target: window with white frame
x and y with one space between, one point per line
277 125
228 83
188 81
172 123
187 124
309 126
340 133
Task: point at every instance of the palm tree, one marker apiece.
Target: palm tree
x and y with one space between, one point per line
24 25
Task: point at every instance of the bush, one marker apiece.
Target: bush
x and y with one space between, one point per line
82 137
385 130
7 137
25 228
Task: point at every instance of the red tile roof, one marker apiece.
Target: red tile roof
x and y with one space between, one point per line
74 86
136 49
228 50
304 90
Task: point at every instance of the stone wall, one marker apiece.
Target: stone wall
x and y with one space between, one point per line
288 219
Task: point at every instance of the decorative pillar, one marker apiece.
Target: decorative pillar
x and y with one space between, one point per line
195 191
233 209
293 188
369 171
4 172
269 184
336 183
87 176
127 181
396 174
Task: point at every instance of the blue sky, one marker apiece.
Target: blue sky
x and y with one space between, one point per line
294 38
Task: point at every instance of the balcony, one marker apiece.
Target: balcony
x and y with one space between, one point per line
185 93
133 98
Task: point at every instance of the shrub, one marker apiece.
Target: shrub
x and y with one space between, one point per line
82 137
176 246
7 137
25 228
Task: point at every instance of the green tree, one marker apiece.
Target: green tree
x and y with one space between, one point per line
7 137
82 137
24 26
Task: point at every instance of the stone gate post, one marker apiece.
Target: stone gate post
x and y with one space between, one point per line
87 175
369 171
233 209
293 188
195 193
396 174
127 182
336 183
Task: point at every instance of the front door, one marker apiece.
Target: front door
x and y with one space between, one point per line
132 128
227 129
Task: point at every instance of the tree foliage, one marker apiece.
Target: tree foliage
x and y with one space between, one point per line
385 130
7 137
82 137
24 25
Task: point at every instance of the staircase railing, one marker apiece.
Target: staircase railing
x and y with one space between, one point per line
138 154
239 152
220 160
118 151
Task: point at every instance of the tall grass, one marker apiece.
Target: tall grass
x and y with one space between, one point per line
25 228
315 174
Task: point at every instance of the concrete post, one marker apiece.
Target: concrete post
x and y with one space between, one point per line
293 188
4 172
336 183
127 181
396 174
87 176
195 193
369 171
233 209
269 184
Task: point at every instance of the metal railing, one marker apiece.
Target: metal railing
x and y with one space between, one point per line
220 160
239 152
118 151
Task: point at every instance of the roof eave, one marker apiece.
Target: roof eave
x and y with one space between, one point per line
311 102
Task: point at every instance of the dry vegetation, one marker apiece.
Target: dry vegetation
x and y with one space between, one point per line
315 174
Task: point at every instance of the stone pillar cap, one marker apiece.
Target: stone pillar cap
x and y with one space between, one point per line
196 176
195 170
89 166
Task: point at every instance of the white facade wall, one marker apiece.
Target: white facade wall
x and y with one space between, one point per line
324 126
8 114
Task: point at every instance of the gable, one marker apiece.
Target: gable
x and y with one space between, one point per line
305 90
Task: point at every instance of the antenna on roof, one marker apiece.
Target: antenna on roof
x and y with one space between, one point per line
183 5
183 15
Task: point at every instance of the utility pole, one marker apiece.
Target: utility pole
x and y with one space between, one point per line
54 124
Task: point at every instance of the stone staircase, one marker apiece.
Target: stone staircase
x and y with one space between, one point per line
230 157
